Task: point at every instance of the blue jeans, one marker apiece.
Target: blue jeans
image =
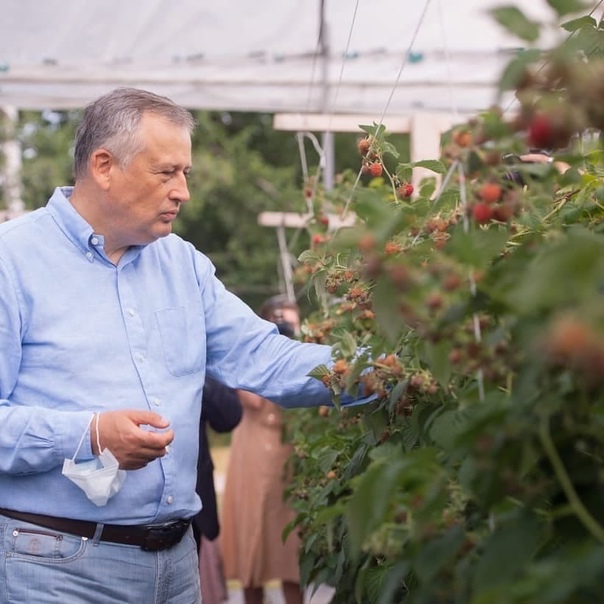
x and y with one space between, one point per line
47 567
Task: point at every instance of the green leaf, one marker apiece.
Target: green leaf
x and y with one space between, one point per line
371 500
346 345
561 274
589 41
566 7
515 70
326 459
394 582
431 164
579 23
507 551
385 305
437 357
404 171
319 371
477 247
516 22
391 149
374 130
435 554
448 426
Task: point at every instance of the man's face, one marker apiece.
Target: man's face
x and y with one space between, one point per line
144 197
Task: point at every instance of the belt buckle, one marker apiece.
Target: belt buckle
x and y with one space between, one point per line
164 536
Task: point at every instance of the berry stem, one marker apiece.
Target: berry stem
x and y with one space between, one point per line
582 513
391 179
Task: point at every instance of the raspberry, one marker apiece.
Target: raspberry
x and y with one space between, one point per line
463 138
363 146
375 169
541 133
482 212
405 190
490 192
367 243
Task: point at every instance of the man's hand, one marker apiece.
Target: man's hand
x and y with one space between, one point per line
133 446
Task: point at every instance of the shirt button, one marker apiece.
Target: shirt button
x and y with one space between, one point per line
131 312
141 357
170 499
167 449
94 241
89 255
156 401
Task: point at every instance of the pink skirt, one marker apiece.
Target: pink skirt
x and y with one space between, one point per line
211 573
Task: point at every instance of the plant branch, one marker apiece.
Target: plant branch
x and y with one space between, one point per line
582 513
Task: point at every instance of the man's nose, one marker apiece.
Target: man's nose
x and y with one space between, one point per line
181 190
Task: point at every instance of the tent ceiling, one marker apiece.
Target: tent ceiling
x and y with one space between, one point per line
261 56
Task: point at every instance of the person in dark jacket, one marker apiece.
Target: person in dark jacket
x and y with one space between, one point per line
221 410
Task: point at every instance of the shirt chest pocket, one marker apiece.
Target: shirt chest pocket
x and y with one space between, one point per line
183 339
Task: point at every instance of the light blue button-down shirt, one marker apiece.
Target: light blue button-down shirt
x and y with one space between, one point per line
80 335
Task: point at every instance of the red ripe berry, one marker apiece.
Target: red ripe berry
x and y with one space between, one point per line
317 239
482 212
462 137
363 146
375 169
405 190
503 212
490 192
541 133
367 243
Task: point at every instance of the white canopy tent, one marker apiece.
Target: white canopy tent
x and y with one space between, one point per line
420 64
328 56
428 62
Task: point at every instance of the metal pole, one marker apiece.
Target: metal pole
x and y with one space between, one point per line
328 137
286 265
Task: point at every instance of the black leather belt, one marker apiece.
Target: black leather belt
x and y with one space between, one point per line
150 537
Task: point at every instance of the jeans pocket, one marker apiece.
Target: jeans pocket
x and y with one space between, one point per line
43 545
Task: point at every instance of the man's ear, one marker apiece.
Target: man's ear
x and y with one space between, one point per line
101 162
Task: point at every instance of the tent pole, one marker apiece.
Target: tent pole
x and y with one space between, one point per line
11 168
328 136
288 276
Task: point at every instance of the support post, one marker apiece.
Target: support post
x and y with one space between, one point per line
11 166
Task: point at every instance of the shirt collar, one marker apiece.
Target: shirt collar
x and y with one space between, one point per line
69 221
78 230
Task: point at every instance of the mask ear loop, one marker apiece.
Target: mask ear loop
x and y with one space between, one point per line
84 436
98 438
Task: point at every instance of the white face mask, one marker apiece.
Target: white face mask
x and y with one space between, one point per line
99 478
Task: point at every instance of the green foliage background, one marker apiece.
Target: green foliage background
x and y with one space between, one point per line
241 167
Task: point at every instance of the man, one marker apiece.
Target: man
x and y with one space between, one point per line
108 324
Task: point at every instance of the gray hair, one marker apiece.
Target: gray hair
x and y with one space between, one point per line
113 120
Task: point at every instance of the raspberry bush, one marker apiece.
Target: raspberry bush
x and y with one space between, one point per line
477 475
